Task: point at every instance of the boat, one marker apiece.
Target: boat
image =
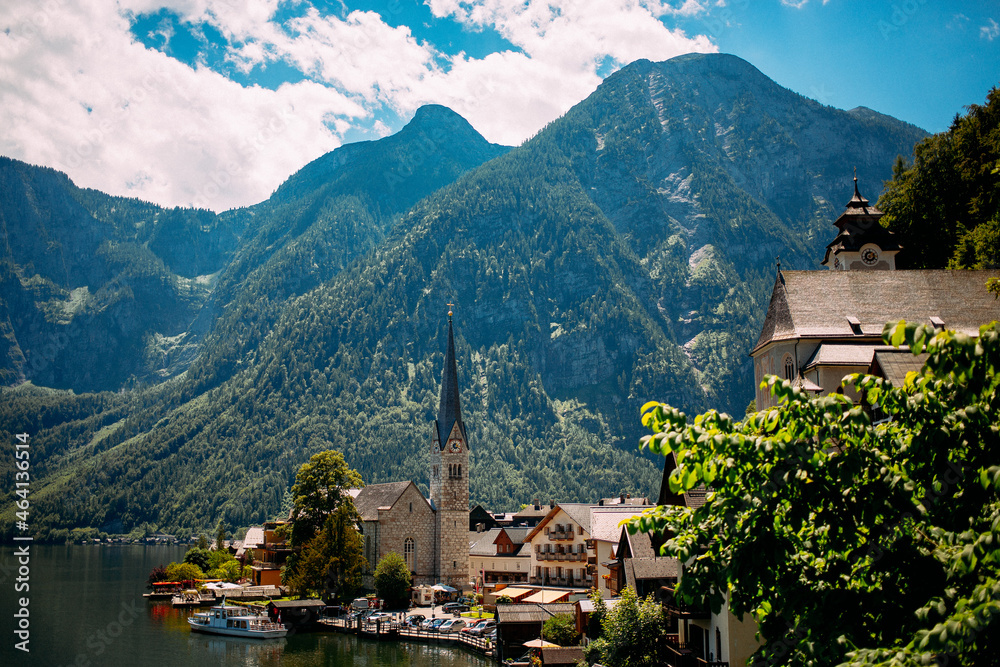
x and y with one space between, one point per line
236 621
164 590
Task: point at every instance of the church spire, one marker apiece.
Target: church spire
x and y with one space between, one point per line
450 408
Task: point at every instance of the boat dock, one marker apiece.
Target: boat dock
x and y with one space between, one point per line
396 630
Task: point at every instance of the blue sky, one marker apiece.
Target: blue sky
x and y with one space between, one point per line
215 102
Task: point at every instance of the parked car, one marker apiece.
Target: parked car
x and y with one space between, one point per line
378 616
452 625
414 620
433 624
483 627
454 608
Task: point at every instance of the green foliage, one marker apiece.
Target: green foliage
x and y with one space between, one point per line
505 599
561 629
331 565
199 556
945 207
184 572
220 536
633 633
588 278
392 580
815 511
320 488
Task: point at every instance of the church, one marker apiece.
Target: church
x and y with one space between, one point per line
823 325
431 534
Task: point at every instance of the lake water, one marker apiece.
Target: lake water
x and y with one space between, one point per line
86 608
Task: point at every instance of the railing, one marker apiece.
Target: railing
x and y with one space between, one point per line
562 535
555 555
701 662
681 610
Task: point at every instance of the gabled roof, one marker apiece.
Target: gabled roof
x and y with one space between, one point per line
893 364
577 512
254 537
374 496
531 613
644 569
818 304
516 534
604 521
484 543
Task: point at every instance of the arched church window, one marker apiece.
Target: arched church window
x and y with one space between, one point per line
409 554
789 367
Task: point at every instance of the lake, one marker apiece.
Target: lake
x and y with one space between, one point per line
86 608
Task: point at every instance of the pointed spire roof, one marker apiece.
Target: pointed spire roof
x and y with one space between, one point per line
450 407
857 226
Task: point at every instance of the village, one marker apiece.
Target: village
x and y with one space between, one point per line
553 559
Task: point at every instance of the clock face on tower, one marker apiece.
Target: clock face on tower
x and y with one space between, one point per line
869 256
455 446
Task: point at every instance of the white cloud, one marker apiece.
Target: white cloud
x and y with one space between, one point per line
990 31
79 94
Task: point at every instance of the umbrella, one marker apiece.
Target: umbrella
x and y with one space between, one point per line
540 643
444 589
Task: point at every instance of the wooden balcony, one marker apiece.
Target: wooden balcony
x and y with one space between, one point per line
678 609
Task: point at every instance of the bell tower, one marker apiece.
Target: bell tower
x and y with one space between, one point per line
862 243
449 476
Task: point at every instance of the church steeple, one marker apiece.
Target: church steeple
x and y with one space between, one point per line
450 407
862 242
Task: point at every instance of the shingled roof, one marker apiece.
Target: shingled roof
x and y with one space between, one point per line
373 496
818 304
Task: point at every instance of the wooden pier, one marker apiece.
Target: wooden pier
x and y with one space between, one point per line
396 630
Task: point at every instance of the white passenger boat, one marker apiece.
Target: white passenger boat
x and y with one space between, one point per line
236 622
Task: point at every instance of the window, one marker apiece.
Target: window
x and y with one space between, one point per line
411 507
409 554
789 367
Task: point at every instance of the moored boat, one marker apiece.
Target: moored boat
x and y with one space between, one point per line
236 622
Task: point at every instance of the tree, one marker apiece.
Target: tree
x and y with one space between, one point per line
202 542
561 629
331 565
158 573
945 207
220 536
184 572
851 543
199 556
320 488
392 580
633 633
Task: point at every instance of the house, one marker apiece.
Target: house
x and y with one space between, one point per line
431 534
480 518
270 554
559 552
605 533
532 514
497 556
638 564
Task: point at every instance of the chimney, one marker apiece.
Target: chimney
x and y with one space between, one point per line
621 499
552 504
537 506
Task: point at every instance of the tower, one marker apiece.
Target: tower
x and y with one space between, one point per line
449 476
862 243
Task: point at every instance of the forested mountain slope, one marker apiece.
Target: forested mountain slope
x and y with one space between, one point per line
623 254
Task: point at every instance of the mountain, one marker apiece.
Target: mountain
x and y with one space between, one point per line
623 254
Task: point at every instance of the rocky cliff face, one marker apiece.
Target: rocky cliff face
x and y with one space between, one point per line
624 254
